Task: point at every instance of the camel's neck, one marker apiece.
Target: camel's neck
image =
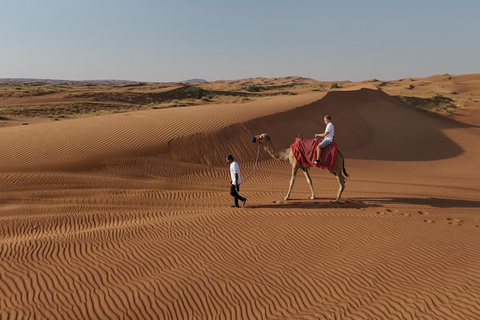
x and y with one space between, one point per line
280 155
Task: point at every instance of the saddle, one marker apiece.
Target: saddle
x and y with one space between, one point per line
305 152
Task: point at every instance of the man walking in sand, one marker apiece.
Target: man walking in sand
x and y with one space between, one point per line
327 136
235 181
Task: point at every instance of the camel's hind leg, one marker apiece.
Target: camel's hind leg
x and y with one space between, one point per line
340 166
292 181
309 180
341 181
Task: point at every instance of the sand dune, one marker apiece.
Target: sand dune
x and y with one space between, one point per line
126 216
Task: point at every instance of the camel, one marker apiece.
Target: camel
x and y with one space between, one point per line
287 155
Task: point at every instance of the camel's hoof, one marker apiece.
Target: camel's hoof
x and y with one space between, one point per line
335 201
285 199
312 198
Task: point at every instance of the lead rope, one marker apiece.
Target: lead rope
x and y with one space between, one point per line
256 161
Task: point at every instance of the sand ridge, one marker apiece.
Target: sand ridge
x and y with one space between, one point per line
75 140
127 215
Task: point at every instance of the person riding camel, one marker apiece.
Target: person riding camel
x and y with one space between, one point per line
327 137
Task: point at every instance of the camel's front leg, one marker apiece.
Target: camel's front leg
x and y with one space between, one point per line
292 181
309 180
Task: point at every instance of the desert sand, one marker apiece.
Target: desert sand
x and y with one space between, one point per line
126 216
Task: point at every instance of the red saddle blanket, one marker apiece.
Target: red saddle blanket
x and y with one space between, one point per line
305 153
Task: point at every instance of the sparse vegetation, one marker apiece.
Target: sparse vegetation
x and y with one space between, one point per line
28 90
195 92
437 104
70 99
254 88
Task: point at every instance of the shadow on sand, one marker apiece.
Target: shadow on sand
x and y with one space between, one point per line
432 202
325 203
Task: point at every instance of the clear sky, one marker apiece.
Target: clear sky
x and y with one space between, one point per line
175 40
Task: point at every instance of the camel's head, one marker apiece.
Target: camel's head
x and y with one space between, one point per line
262 138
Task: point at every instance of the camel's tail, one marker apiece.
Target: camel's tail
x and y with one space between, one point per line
345 171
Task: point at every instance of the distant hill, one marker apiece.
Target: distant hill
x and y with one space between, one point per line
39 82
194 81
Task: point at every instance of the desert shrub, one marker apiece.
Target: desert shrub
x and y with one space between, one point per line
195 92
334 85
253 88
289 93
403 99
449 110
